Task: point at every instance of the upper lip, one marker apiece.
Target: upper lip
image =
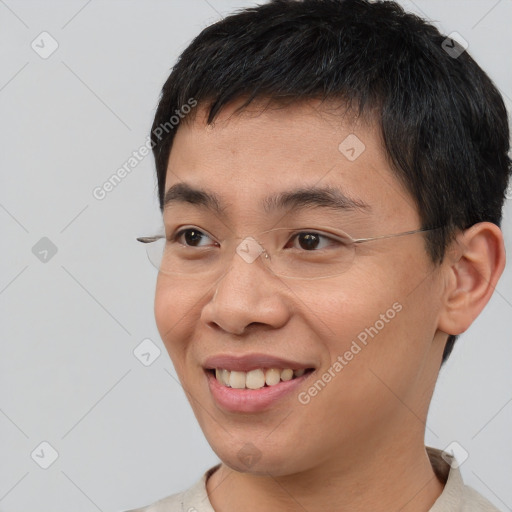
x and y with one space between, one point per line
250 362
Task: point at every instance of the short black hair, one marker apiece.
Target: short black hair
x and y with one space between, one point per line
443 121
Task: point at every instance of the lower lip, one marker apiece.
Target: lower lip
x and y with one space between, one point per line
251 400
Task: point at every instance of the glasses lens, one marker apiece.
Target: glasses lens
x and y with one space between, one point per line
174 259
311 254
304 254
155 251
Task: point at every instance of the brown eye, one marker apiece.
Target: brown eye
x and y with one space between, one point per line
192 237
308 241
313 241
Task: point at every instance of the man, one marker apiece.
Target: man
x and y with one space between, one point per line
331 200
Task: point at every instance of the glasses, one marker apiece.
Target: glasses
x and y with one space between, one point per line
290 253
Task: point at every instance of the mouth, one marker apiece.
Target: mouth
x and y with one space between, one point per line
257 378
255 382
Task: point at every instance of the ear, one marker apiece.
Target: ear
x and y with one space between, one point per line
474 263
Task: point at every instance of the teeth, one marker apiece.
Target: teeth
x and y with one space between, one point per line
273 377
287 374
237 380
222 376
256 379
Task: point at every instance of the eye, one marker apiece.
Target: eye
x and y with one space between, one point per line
312 240
190 237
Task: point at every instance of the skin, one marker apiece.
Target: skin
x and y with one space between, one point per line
359 442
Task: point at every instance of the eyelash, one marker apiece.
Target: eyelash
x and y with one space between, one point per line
178 234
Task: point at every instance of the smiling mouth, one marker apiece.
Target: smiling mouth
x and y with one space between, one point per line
257 378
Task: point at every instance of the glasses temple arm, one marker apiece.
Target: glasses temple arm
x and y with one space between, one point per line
422 230
149 239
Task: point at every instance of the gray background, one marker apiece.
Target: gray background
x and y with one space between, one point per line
124 433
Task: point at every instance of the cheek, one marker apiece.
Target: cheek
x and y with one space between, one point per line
385 335
176 314
370 342
343 309
378 317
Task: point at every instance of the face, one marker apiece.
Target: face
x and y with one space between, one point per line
364 345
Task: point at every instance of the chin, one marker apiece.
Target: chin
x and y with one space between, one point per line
276 459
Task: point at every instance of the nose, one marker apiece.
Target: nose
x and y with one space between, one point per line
248 293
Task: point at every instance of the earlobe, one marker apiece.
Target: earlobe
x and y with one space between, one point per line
474 264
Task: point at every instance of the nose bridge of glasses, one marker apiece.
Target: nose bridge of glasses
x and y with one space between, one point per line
240 251
249 249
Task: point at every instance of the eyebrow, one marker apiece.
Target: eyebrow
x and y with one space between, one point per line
297 199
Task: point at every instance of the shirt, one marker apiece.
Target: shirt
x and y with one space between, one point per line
456 497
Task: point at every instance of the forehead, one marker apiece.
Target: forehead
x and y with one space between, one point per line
265 150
